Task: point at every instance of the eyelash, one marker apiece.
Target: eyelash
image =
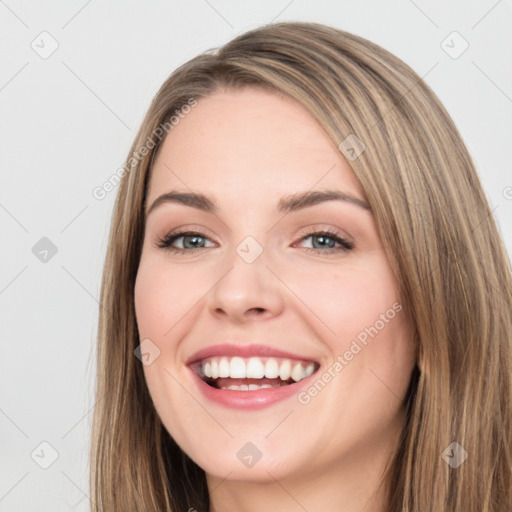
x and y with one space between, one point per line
167 240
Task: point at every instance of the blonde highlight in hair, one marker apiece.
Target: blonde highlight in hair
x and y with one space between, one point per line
450 264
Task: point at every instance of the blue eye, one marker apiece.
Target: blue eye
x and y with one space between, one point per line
328 241
194 240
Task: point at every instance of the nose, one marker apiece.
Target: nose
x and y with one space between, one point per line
247 291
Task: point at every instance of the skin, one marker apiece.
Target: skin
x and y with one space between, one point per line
247 149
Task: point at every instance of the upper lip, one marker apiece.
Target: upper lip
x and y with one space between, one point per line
244 351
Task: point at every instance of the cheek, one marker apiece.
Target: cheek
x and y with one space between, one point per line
371 354
164 294
357 315
153 300
350 298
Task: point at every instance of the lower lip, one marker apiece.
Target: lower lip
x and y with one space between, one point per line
249 400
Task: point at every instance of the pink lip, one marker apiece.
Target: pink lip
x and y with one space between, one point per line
247 400
243 351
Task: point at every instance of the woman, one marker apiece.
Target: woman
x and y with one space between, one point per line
306 303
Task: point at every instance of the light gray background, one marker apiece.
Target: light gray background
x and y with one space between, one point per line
67 122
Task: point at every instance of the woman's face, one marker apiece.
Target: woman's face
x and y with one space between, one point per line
270 287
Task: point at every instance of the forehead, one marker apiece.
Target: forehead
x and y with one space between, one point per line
249 145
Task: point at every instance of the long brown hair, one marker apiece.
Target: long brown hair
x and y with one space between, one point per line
451 268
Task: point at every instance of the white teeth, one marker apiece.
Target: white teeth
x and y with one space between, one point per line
271 369
237 368
215 369
298 372
251 387
223 367
255 368
285 371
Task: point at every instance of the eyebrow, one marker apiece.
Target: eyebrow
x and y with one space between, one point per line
287 204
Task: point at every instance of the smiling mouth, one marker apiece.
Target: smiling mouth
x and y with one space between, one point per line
252 373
